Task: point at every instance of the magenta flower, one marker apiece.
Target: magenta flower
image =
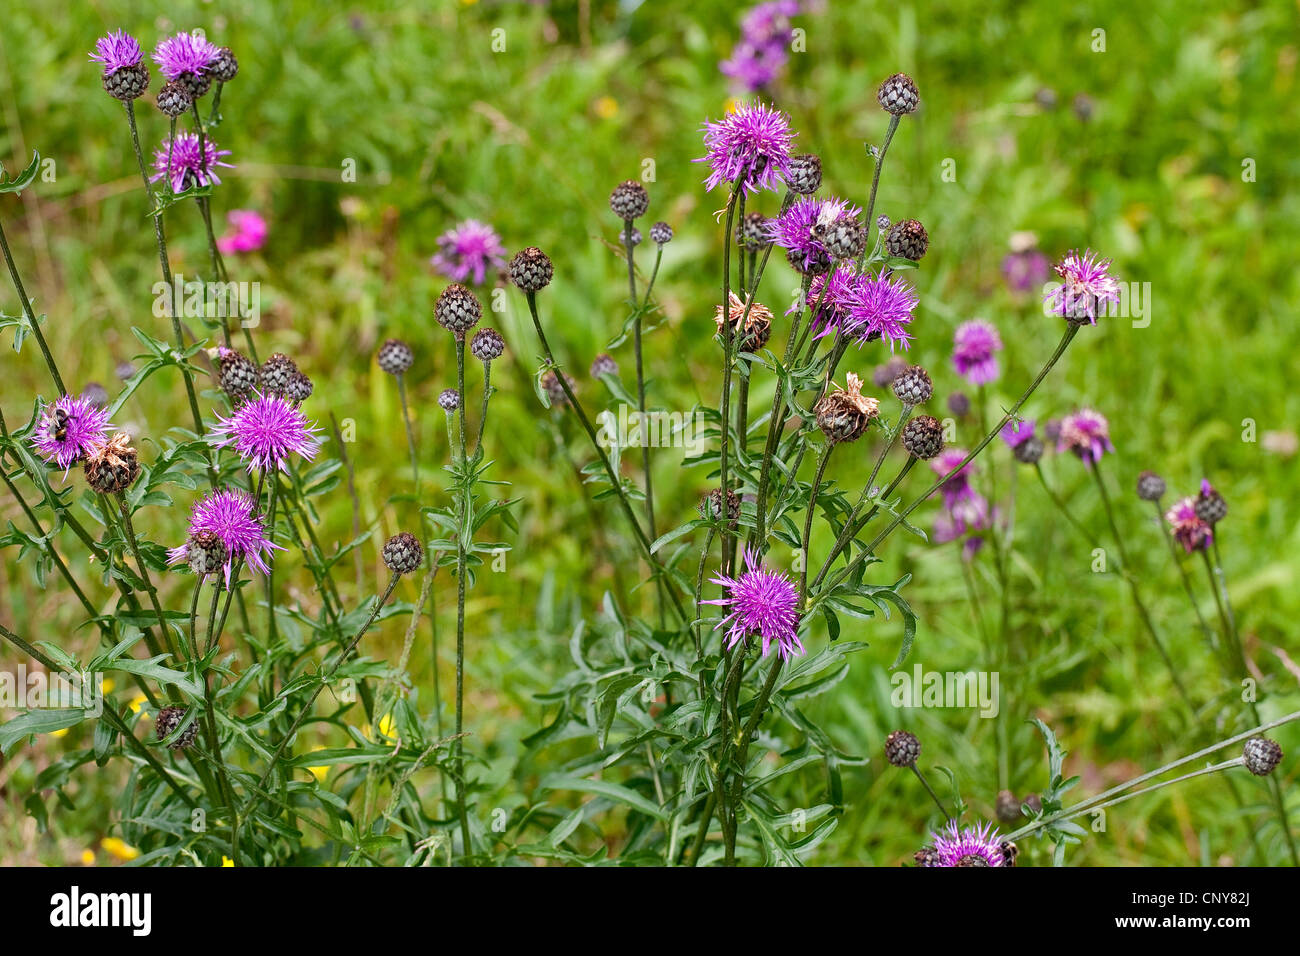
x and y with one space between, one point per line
871 307
233 517
751 144
248 232
116 50
1017 433
69 430
1025 270
956 485
764 45
1189 530
1085 285
799 230
969 846
1087 434
763 602
265 431
185 53
470 248
187 167
975 345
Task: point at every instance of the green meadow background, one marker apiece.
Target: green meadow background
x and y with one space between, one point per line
1184 172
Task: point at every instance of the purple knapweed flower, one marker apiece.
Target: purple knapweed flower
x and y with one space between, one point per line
248 232
751 144
116 50
1087 434
1017 433
874 307
265 431
69 430
231 515
763 48
1026 270
188 168
185 53
975 345
956 476
969 846
1189 530
763 602
799 230
468 249
1085 285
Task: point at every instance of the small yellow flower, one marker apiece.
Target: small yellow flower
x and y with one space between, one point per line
108 685
606 107
87 857
227 861
137 702
320 772
117 848
59 733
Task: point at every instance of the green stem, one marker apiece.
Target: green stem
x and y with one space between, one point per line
31 316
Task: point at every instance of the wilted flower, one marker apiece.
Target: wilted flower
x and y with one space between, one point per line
762 602
233 517
1189 530
183 166
70 430
265 430
248 232
975 345
1085 286
469 249
1087 434
751 144
758 325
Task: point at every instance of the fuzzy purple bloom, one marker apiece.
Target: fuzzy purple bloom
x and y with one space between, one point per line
969 846
1025 270
763 602
265 431
948 466
233 517
867 307
69 430
1087 434
751 143
975 345
185 53
116 50
800 229
763 48
1086 284
188 168
1017 433
470 248
1189 530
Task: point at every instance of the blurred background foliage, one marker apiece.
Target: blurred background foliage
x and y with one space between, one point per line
1142 151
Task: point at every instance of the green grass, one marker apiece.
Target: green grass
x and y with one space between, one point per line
442 128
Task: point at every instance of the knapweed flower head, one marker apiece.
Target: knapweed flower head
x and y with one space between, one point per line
116 51
265 431
231 515
467 251
1086 284
802 230
975 345
869 307
763 602
1016 434
751 144
969 846
1087 434
184 166
763 49
757 325
1189 530
248 232
1025 268
70 430
948 466
185 54
963 515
